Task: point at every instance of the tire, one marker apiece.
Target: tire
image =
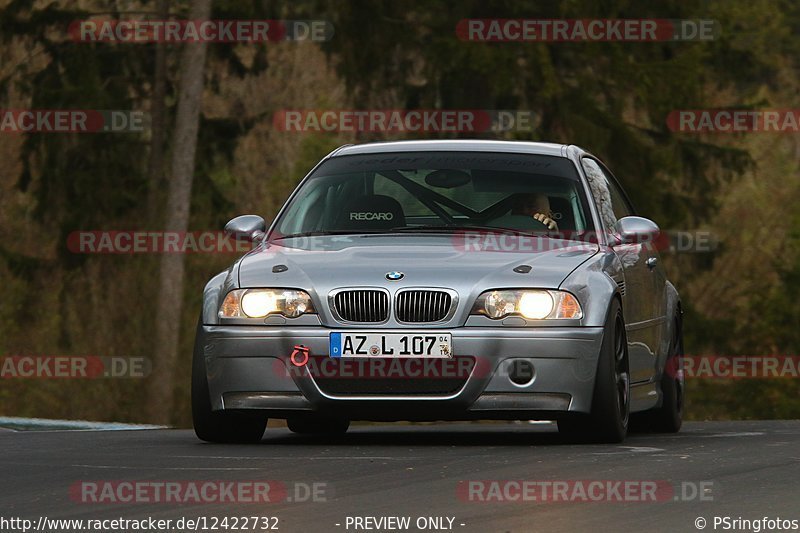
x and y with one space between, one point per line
219 426
667 418
608 420
318 425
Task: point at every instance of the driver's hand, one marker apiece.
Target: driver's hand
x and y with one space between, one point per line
547 221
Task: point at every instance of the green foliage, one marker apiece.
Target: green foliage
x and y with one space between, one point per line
585 93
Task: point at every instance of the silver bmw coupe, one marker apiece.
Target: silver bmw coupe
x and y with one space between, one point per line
443 280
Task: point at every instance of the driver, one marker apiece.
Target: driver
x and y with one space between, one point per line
535 205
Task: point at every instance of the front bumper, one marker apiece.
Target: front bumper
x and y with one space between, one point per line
248 367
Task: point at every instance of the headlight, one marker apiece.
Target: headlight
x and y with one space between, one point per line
258 303
533 304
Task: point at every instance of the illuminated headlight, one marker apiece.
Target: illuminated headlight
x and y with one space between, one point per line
533 304
258 303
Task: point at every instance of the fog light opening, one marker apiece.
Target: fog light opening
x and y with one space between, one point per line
521 372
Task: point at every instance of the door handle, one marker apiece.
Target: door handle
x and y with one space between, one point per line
651 262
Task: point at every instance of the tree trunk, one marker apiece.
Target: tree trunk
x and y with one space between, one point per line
169 306
158 123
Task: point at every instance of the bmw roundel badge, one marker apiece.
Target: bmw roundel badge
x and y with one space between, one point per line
394 276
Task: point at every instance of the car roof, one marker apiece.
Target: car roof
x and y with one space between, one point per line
454 145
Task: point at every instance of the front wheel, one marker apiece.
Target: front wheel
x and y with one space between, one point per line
667 418
219 426
608 421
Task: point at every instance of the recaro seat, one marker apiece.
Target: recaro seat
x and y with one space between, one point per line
371 212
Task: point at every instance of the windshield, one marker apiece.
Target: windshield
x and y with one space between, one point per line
439 192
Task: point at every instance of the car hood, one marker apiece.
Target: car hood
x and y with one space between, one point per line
321 264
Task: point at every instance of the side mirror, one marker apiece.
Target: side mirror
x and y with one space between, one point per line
633 230
246 227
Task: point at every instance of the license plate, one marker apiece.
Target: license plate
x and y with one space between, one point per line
424 345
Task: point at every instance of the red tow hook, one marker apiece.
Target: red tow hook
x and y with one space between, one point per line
299 356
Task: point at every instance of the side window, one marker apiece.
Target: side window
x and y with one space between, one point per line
610 201
619 203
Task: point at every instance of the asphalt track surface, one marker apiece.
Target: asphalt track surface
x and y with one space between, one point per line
747 470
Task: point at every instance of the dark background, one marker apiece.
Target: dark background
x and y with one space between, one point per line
612 98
